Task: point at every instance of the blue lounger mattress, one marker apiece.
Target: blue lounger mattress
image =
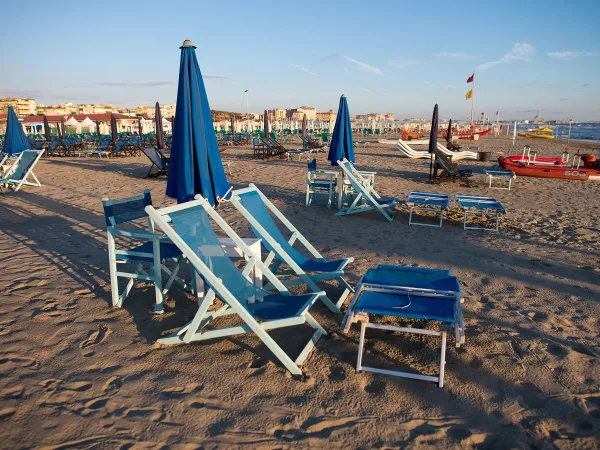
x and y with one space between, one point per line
406 305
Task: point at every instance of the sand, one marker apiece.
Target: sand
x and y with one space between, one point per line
76 373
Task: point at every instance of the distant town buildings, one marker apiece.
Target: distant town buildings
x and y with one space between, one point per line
22 106
375 116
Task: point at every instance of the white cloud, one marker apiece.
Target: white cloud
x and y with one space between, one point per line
403 63
369 91
304 69
519 52
449 86
429 83
456 55
571 55
364 66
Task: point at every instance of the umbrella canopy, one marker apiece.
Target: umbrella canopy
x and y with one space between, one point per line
160 137
140 125
195 165
60 127
232 125
47 128
449 134
72 122
433 138
266 124
98 129
113 128
15 140
304 125
341 140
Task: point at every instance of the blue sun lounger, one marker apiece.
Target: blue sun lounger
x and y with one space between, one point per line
190 227
257 209
409 293
427 201
504 175
479 206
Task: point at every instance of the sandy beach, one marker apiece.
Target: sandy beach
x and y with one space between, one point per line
77 373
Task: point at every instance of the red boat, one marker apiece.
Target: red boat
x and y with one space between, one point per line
588 168
470 134
537 161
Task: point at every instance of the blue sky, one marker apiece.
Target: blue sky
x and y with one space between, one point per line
386 56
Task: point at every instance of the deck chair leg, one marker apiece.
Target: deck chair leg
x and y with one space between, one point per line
442 360
319 331
308 196
157 275
112 264
278 352
361 346
172 276
195 324
342 298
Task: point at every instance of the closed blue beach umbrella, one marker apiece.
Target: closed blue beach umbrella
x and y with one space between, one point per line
160 136
15 140
47 129
266 124
113 129
341 140
195 166
433 138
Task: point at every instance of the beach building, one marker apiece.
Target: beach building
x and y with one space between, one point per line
22 106
326 116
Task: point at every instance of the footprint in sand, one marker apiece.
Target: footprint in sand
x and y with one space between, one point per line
181 391
22 361
5 327
94 338
112 385
78 386
12 392
5 413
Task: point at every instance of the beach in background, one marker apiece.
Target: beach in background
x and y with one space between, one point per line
77 373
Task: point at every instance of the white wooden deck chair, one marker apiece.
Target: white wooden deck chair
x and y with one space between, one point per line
3 159
154 250
257 209
367 199
457 155
189 227
20 172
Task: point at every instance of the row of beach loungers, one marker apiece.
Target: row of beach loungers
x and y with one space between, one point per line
187 234
104 148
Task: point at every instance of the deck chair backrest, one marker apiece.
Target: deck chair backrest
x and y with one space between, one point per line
312 165
126 210
253 202
26 160
355 177
155 156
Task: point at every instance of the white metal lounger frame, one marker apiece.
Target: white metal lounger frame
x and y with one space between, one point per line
505 176
479 211
365 192
302 276
192 331
457 156
410 152
155 275
363 318
433 208
16 184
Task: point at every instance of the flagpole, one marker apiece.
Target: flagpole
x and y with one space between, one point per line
473 104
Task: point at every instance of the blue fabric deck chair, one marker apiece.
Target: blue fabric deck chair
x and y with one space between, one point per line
188 225
155 250
408 293
119 149
257 209
367 199
21 171
480 206
319 182
427 201
51 150
103 150
158 160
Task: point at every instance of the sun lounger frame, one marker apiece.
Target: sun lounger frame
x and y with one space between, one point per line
416 204
487 206
16 183
505 176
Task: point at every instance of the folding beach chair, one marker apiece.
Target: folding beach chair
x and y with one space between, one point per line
189 227
427 201
367 199
319 182
479 206
257 209
51 150
158 160
444 169
18 174
409 293
155 250
103 150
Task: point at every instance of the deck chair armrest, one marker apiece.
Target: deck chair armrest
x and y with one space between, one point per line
138 234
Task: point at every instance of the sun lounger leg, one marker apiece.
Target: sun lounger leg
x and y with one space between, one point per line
442 360
157 275
112 264
361 344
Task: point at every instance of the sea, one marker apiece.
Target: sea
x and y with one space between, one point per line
579 131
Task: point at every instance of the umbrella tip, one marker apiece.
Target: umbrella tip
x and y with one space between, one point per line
187 43
344 95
